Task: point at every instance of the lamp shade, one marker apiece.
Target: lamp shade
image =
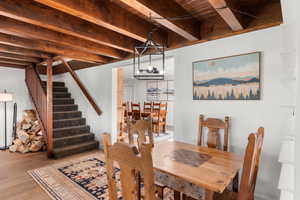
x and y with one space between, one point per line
5 97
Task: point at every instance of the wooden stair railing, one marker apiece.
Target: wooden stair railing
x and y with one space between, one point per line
82 87
42 101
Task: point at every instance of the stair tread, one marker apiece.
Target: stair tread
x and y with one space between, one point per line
71 147
72 111
63 98
73 136
66 105
70 119
61 92
69 127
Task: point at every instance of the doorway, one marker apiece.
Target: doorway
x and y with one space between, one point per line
145 94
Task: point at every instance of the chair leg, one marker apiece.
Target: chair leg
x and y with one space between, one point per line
235 183
160 192
176 195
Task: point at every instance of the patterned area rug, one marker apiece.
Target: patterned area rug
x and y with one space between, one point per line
83 178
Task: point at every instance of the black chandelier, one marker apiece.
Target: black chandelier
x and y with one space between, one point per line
155 52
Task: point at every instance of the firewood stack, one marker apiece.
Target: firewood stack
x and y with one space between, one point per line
29 134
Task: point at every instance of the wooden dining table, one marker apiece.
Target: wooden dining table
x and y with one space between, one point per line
196 171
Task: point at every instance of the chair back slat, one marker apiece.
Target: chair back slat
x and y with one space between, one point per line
136 111
213 136
131 163
251 165
148 107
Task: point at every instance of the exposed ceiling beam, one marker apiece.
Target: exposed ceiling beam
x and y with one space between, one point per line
19 57
12 61
161 11
107 14
267 16
37 14
23 51
51 48
14 27
227 14
11 65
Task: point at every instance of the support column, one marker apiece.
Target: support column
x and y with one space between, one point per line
50 107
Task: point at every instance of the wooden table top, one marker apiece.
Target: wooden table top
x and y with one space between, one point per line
205 167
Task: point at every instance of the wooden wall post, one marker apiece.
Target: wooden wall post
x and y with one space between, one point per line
49 107
120 94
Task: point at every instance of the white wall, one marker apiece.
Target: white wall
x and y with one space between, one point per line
98 80
246 116
13 80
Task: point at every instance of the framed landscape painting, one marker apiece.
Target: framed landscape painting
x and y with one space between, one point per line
228 78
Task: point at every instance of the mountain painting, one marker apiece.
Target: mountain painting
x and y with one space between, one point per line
229 78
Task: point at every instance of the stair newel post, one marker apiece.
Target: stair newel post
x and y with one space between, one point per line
49 108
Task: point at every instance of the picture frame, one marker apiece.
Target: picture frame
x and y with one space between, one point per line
234 77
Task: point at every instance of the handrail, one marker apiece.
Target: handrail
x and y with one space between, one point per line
37 94
39 99
82 87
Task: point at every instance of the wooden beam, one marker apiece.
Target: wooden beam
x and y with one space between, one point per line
49 108
108 15
33 13
51 48
11 65
17 28
227 14
269 15
22 51
19 57
161 11
12 61
82 87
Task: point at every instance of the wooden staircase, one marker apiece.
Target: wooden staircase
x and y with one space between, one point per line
63 126
71 135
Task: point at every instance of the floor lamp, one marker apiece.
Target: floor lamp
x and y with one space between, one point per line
5 97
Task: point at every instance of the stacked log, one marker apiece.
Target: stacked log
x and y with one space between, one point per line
29 135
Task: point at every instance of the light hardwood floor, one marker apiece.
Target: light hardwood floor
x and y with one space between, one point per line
15 183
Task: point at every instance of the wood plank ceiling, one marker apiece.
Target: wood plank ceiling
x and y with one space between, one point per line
95 32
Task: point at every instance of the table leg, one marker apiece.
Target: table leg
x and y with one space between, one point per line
235 183
209 195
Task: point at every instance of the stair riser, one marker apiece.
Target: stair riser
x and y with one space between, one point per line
68 123
70 132
65 108
57 116
63 101
58 89
75 151
55 84
72 141
61 95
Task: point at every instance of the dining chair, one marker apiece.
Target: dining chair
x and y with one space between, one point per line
159 121
147 107
250 170
131 162
159 106
213 136
122 123
136 111
143 130
126 107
